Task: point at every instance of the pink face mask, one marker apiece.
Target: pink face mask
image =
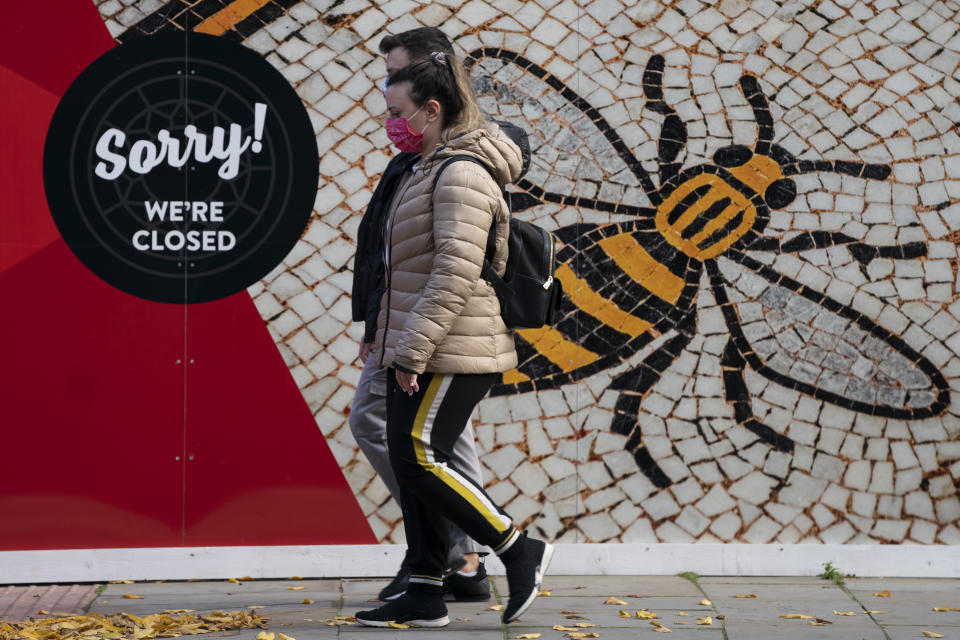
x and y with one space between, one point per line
400 134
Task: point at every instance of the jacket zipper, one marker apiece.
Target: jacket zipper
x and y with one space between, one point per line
388 256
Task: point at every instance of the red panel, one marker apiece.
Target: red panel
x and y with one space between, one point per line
25 222
51 43
262 472
92 411
96 407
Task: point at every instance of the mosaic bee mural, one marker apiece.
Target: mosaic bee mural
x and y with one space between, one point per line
628 284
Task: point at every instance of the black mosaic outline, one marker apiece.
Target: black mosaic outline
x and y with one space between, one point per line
185 15
866 324
573 98
634 383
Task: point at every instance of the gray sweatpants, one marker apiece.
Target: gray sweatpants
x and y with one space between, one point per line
368 422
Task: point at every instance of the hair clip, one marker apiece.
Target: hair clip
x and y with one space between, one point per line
439 58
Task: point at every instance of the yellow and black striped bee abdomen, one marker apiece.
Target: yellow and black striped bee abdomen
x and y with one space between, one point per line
623 286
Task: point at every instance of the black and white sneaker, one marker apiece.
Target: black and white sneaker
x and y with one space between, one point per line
397 586
414 609
525 573
461 588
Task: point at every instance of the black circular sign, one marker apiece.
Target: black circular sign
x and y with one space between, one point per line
181 167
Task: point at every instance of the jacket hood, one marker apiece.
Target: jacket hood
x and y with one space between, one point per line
488 144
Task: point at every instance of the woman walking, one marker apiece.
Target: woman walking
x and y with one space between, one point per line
440 332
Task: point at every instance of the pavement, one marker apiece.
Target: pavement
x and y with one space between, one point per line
738 608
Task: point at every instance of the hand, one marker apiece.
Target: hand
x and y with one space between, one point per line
365 349
407 381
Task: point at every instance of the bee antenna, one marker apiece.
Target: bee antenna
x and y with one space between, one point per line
843 167
761 112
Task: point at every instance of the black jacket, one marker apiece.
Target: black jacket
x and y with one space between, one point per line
368 270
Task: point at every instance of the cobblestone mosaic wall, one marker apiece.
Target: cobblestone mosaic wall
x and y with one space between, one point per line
760 205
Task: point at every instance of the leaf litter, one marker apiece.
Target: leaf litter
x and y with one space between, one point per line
95 626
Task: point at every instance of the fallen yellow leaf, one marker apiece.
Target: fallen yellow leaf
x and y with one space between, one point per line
573 613
745 595
844 613
560 627
795 616
307 601
298 588
683 614
121 582
822 621
397 625
706 603
584 625
941 608
682 622
706 620
245 578
349 618
179 610
232 580
263 635
526 636
283 636
814 623
625 614
256 606
612 600
464 619
643 614
634 595
295 578
130 596
930 634
544 592
883 594
577 635
495 607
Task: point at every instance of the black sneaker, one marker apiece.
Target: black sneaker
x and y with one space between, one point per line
455 562
463 588
525 576
415 609
397 586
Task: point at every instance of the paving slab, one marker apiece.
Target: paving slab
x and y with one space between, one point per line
24 602
911 632
618 586
910 602
801 630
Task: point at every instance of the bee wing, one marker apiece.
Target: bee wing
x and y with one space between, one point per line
810 342
578 157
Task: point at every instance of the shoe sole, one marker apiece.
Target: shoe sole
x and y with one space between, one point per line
541 571
437 622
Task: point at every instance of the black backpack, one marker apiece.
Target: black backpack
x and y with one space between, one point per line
529 295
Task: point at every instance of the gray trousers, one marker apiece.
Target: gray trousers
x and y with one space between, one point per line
368 422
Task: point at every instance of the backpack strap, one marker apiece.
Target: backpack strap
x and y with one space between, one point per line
492 234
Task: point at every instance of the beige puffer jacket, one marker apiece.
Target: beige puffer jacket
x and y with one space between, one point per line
437 313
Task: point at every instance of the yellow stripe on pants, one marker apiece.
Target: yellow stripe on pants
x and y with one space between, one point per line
464 490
